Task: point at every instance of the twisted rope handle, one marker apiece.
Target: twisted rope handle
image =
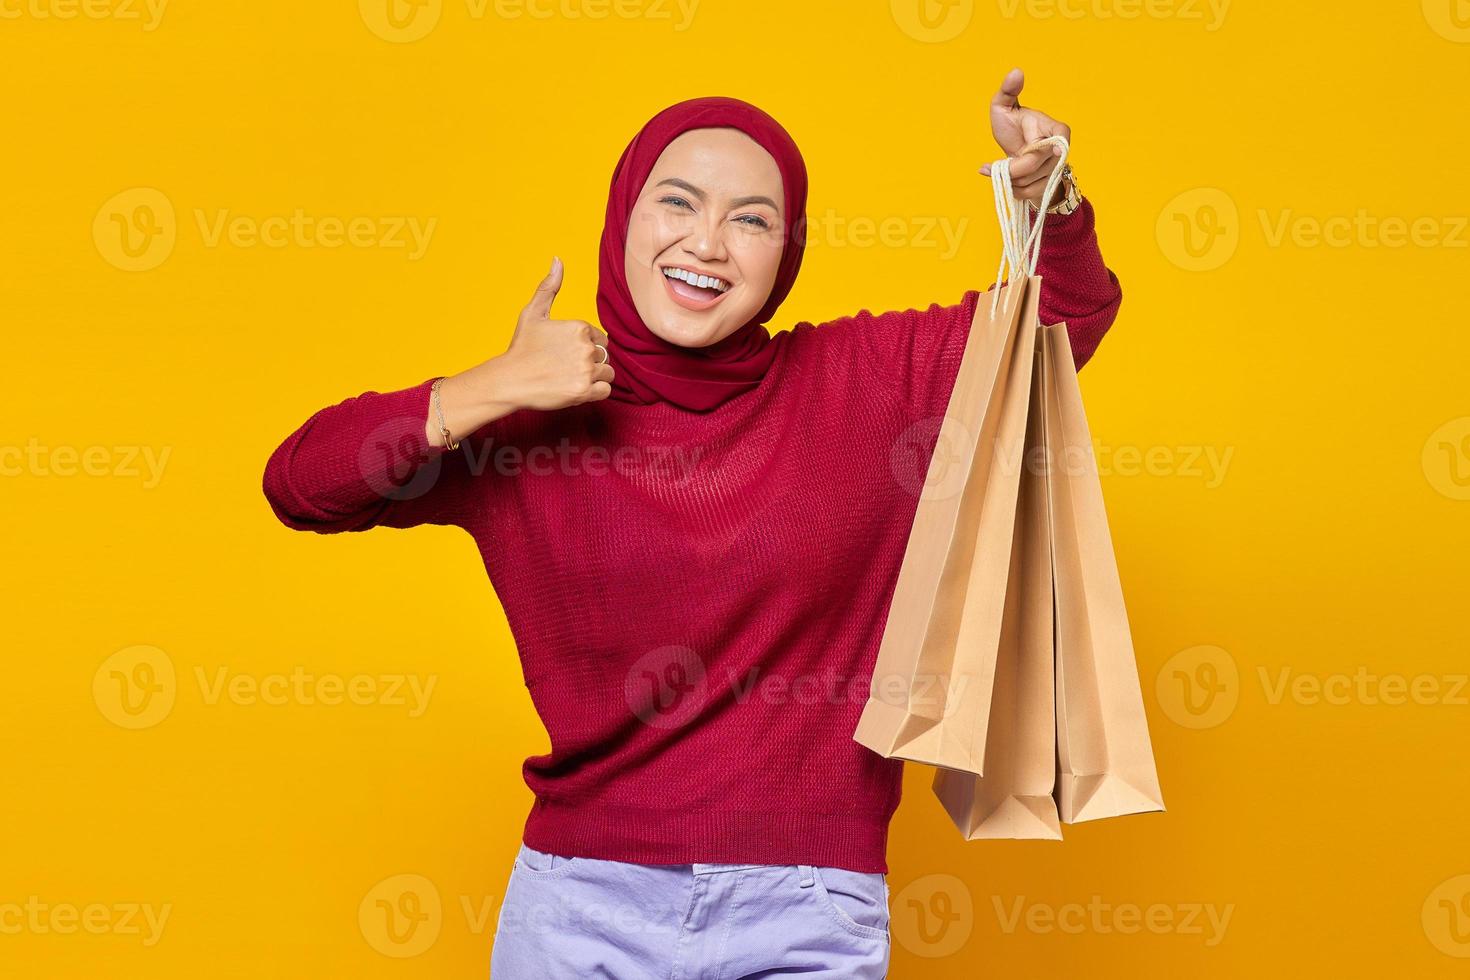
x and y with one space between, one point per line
1020 239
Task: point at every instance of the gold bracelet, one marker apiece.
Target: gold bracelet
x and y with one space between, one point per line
449 442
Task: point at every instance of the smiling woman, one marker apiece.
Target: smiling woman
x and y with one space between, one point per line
674 622
705 237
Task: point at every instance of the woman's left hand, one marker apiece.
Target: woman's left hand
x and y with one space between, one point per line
1015 129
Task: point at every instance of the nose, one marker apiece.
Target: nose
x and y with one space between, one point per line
706 241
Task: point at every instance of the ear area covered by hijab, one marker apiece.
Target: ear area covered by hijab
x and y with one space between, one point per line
649 369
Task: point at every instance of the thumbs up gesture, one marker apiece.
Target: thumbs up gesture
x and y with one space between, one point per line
556 363
1015 129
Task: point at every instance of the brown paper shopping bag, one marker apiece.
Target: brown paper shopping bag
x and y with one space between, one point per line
1014 797
929 697
1104 757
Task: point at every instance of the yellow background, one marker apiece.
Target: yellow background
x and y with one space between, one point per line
1329 374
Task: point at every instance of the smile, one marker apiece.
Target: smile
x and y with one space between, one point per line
693 290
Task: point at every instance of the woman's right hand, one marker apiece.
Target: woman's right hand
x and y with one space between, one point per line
556 363
550 364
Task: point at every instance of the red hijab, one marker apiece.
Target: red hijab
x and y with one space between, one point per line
647 368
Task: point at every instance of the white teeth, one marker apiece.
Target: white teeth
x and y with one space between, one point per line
704 282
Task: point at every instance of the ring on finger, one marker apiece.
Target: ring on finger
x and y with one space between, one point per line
604 353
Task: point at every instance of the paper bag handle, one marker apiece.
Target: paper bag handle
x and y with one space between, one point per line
1020 239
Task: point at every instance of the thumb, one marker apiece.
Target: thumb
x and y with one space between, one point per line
546 290
1009 95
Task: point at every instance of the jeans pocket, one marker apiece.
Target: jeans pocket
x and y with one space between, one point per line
858 900
540 865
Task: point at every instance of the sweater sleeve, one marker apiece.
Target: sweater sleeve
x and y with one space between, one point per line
366 462
919 351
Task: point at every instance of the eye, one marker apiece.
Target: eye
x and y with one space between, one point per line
753 221
676 201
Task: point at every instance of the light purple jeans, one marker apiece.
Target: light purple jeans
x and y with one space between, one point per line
584 918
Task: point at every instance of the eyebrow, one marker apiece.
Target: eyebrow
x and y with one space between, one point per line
739 202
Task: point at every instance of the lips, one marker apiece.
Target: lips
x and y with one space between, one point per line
690 296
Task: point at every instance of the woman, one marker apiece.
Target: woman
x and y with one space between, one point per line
695 528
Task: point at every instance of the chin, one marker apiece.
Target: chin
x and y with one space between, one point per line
679 328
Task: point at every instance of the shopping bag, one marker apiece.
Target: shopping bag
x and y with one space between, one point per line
930 693
1013 799
929 697
1105 759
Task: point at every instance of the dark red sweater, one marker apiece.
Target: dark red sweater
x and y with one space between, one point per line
697 599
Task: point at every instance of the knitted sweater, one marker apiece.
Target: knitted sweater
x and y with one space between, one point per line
697 598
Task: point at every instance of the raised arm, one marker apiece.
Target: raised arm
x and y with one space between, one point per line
379 459
1076 285
368 462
